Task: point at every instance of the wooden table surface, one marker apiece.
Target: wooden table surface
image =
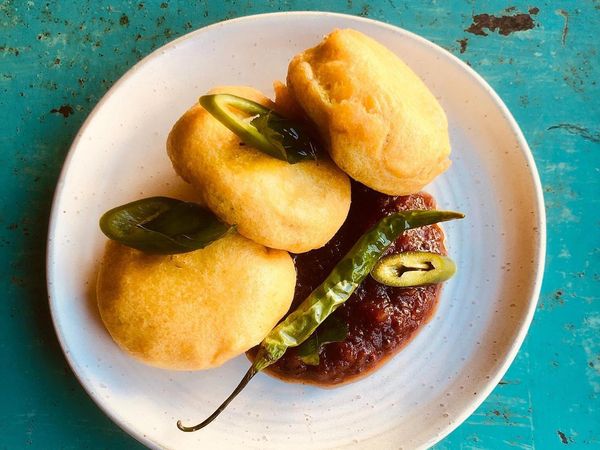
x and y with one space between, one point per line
57 59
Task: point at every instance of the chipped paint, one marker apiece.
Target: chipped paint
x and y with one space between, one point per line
505 25
63 110
563 437
463 44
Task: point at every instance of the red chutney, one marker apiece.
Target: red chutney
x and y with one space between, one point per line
380 319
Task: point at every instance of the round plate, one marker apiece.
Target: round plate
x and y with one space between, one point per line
414 400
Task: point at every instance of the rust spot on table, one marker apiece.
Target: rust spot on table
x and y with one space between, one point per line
504 24
64 110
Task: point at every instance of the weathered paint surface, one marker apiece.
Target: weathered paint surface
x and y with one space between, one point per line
57 59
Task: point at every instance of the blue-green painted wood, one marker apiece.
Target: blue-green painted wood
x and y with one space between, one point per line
57 59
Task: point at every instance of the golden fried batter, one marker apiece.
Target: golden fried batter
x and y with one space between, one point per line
295 207
384 127
194 310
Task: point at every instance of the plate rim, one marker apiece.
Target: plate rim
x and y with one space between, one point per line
490 384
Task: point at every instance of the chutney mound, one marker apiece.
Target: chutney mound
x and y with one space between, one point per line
380 319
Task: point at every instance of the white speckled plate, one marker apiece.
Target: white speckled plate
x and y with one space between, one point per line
421 394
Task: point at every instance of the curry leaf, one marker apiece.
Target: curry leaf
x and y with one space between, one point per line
332 330
162 225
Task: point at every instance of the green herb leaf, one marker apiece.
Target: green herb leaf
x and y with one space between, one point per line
332 330
268 131
163 225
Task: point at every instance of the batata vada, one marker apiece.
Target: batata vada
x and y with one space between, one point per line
194 310
295 207
384 127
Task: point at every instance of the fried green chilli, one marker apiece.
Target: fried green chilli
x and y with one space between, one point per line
347 275
267 131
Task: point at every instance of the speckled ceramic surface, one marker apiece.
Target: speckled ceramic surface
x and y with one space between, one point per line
420 395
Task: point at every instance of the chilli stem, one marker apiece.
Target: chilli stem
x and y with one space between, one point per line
251 372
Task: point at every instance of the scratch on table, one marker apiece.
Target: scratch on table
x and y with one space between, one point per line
566 215
558 168
565 30
564 253
507 411
591 347
507 382
520 445
578 130
530 406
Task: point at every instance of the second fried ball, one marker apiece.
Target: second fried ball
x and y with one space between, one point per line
294 207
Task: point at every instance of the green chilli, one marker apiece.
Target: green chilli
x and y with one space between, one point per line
267 131
347 275
413 269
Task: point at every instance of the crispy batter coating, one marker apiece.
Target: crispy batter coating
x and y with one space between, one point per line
286 103
384 127
194 310
295 207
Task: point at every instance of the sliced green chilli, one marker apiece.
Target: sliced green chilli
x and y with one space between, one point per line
413 269
162 225
267 131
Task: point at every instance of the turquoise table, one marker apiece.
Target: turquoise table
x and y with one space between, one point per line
57 60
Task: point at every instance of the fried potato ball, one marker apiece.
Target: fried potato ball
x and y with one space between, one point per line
295 207
384 127
194 310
